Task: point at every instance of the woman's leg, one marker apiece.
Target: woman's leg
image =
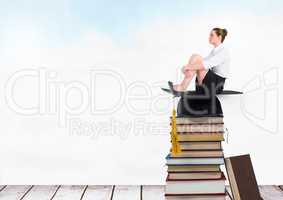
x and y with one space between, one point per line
200 75
189 73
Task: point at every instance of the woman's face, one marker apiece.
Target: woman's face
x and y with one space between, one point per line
214 39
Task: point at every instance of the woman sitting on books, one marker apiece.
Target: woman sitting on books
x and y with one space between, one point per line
210 71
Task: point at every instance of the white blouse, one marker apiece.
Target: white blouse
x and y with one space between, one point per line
218 61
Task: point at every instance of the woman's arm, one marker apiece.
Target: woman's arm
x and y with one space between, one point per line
215 60
197 62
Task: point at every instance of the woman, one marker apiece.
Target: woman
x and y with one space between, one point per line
211 71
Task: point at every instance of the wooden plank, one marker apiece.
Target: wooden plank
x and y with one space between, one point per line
112 192
229 195
270 192
98 192
69 192
12 192
41 192
153 192
123 192
2 187
28 190
83 192
55 192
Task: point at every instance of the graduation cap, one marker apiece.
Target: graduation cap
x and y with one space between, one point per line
196 104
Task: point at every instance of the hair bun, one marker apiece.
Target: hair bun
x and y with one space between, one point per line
221 32
225 32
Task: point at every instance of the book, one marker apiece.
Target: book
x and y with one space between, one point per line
200 128
194 161
195 186
242 178
200 137
194 175
194 172
193 168
199 120
199 154
205 145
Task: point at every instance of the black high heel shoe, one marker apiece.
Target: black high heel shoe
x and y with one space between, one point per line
173 91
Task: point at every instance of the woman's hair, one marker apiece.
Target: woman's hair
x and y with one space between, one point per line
221 31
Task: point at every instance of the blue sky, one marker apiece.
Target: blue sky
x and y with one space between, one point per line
64 20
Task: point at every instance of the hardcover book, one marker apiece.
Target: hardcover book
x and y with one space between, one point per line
242 178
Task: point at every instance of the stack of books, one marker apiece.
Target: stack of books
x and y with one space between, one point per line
194 173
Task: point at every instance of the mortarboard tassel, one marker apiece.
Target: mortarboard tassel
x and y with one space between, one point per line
174 136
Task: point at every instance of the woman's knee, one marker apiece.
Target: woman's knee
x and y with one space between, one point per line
195 58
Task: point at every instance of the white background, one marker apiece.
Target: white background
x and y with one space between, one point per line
35 149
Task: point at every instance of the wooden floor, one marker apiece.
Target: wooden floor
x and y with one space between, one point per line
64 192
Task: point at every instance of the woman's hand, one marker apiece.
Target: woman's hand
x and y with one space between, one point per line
184 69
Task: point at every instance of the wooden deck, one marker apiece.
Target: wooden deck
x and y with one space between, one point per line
119 192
